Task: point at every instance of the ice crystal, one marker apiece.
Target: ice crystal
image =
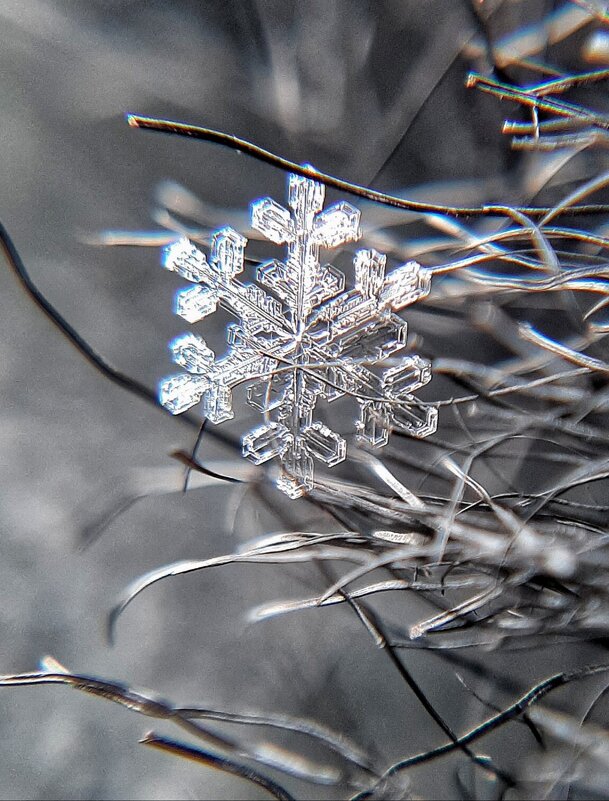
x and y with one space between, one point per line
300 336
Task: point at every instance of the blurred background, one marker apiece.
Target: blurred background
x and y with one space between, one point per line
372 92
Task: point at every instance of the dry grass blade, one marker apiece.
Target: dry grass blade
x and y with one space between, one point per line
202 757
290 763
533 696
290 552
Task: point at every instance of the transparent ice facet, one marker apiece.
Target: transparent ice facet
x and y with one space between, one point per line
184 258
369 272
297 477
300 336
272 220
195 303
191 352
373 424
235 337
258 309
267 395
405 285
325 444
375 343
242 360
227 252
331 282
418 421
339 381
217 406
265 442
413 373
337 224
181 392
305 197
388 338
272 275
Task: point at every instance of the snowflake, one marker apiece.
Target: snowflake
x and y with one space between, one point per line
300 336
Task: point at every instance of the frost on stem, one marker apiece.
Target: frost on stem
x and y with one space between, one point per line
300 336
